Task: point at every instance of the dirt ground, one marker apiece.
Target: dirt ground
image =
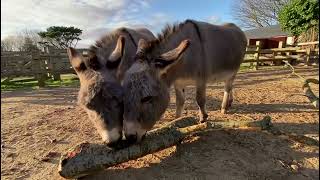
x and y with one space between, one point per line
44 123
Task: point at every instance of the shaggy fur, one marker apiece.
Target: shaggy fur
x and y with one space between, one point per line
101 94
215 53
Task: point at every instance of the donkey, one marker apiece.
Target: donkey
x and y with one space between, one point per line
100 75
191 52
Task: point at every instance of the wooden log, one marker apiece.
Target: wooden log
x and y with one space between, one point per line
87 158
308 92
292 136
306 88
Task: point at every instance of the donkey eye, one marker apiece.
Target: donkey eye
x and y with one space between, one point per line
113 64
146 99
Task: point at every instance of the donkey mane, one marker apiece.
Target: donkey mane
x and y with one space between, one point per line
168 30
105 40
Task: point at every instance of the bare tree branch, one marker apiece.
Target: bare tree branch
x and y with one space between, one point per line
257 13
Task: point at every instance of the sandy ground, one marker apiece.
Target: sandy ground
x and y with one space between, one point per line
31 120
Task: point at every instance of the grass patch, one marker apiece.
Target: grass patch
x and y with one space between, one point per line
31 83
245 67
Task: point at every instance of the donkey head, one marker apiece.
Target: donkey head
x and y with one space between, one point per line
101 94
146 94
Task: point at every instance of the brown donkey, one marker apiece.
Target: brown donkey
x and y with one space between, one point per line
206 52
100 74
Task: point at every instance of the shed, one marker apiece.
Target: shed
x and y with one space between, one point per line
268 36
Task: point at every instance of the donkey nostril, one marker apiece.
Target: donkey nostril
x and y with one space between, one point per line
131 138
114 143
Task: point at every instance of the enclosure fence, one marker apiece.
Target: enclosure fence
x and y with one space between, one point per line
44 65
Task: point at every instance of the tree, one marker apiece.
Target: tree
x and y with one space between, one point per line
257 13
29 45
26 40
300 16
31 37
6 45
61 37
12 43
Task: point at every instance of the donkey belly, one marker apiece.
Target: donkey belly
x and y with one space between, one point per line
221 76
209 78
183 82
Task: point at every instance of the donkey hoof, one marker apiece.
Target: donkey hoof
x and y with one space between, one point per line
203 118
178 116
223 111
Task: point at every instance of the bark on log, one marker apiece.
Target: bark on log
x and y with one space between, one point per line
306 88
88 158
292 136
308 92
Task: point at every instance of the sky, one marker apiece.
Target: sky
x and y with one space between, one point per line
98 17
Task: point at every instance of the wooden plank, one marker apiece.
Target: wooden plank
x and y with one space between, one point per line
284 50
308 43
301 51
266 59
252 46
251 51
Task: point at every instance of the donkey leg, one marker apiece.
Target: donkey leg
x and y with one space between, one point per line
201 101
230 99
227 96
180 99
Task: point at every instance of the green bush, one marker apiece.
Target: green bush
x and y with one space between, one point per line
298 16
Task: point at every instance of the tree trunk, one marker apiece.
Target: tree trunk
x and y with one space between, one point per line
87 158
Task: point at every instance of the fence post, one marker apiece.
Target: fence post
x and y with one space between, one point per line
56 77
41 80
280 45
41 75
257 54
291 61
52 64
308 53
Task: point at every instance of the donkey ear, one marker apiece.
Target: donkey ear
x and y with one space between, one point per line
75 59
72 53
142 45
115 58
118 50
171 56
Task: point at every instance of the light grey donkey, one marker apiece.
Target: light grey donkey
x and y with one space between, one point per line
191 52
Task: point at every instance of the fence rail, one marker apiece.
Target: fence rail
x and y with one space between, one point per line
43 65
299 53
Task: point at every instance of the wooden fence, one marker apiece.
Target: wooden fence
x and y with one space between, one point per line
41 65
44 65
302 52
